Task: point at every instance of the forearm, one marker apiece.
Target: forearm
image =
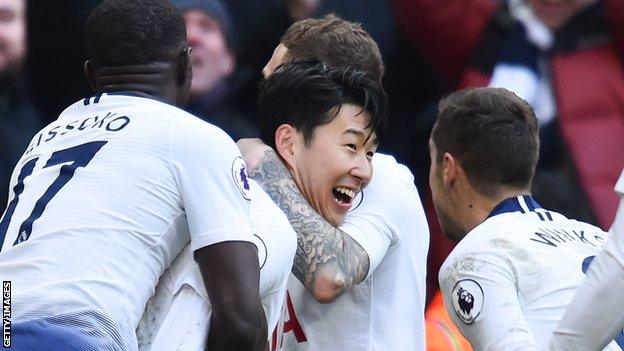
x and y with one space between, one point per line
328 261
231 276
228 333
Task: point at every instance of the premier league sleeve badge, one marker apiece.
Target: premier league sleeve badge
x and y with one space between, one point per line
467 297
240 177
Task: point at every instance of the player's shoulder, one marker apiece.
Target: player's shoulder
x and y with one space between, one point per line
487 240
393 182
387 166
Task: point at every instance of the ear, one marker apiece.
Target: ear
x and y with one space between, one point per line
89 72
229 64
185 68
450 169
286 143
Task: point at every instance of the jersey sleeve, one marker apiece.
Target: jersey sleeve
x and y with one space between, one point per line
212 179
481 298
378 221
599 298
619 186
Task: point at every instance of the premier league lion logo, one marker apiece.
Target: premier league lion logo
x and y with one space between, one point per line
240 177
467 297
243 176
465 300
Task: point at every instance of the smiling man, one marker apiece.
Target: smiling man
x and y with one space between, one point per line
325 123
359 284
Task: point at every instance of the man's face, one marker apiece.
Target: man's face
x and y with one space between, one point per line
336 164
442 197
12 33
211 57
555 13
279 57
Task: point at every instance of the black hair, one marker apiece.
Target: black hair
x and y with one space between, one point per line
307 95
493 133
126 32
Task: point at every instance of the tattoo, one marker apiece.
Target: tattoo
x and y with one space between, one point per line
321 247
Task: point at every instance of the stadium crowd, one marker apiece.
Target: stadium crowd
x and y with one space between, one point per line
565 58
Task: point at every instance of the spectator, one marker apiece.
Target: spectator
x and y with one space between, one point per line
19 120
581 66
210 34
566 59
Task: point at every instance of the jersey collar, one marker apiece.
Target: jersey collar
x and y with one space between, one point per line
523 204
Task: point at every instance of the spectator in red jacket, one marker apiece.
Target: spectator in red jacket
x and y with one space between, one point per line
566 58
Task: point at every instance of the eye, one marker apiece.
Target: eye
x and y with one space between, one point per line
352 146
370 154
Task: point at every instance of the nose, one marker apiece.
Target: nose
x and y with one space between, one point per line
362 169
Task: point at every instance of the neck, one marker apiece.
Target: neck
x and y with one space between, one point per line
477 207
155 79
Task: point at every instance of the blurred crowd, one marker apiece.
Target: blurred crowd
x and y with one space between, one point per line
565 57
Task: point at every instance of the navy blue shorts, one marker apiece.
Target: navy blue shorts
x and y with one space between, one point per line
41 335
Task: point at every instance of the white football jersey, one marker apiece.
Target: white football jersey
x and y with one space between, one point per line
594 317
385 311
102 201
508 282
177 317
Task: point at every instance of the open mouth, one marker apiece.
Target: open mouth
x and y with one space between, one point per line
342 195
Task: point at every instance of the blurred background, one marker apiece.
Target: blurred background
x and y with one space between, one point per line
565 57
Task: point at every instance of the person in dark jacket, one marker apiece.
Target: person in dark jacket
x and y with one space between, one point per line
19 120
215 86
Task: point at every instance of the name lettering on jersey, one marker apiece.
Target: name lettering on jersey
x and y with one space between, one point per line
111 122
467 297
556 237
240 177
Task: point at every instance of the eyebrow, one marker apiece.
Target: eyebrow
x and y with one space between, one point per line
361 134
357 132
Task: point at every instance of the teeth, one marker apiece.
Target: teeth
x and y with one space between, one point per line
350 193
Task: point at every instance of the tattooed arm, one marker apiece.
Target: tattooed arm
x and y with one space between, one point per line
328 261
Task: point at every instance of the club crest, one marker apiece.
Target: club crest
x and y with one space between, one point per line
241 179
467 299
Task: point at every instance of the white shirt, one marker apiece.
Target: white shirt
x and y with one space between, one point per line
114 189
385 311
599 299
508 281
179 319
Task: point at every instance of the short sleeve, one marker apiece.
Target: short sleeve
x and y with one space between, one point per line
212 179
480 296
380 212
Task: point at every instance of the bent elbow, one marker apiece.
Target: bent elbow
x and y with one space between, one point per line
328 288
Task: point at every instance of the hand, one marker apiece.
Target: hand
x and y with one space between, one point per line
253 150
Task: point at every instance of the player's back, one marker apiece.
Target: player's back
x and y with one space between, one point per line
166 322
520 253
96 214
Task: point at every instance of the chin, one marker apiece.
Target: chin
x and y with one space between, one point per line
336 220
